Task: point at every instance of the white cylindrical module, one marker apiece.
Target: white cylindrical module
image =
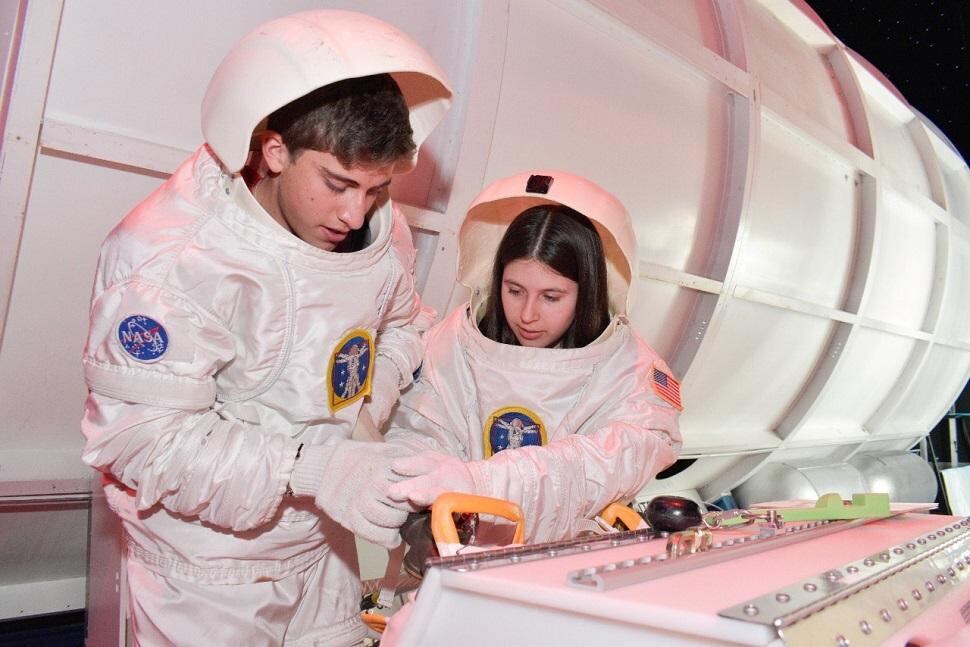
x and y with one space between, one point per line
803 231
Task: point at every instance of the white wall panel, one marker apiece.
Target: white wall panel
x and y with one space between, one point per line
745 382
789 61
570 80
800 230
954 324
903 265
868 369
932 390
71 211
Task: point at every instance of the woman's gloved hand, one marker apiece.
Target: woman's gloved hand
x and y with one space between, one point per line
429 474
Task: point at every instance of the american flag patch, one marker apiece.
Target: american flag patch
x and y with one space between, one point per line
667 387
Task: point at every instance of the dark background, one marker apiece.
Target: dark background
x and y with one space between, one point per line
921 46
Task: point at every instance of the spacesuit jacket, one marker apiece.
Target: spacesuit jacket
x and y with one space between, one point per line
565 431
219 343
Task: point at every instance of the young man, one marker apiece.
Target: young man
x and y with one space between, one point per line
241 317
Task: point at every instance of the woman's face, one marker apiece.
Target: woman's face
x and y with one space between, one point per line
539 304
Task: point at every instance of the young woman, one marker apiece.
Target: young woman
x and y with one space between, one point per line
538 390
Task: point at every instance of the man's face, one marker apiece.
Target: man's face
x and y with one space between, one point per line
319 199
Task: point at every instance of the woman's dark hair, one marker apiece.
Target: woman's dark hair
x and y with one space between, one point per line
567 242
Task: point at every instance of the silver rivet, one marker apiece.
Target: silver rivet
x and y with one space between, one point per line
930 587
917 594
831 576
885 615
609 567
941 578
960 565
911 546
627 563
729 542
920 541
931 536
515 559
869 562
718 544
646 560
951 572
865 627
902 604
853 569
553 552
898 551
841 641
750 610
810 587
661 558
884 557
614 542
783 597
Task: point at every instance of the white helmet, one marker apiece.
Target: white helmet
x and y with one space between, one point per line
498 205
284 59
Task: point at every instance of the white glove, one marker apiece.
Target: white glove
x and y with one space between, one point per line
433 474
349 481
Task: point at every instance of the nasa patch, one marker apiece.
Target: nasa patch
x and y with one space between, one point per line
511 428
143 338
350 369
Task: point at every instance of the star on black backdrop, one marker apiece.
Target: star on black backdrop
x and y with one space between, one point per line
921 46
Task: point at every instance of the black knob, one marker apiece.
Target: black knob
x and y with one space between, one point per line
673 513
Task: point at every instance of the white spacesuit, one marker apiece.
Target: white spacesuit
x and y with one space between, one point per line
222 347
561 432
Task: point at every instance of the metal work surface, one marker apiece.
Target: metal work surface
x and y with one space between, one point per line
865 601
538 605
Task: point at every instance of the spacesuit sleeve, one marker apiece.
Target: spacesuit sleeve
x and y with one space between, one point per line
404 316
577 476
150 419
419 423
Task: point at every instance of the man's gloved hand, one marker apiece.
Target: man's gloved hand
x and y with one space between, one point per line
432 474
349 481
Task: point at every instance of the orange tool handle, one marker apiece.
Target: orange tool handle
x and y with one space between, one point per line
443 525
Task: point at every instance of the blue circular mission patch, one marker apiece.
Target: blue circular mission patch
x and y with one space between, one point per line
511 428
143 338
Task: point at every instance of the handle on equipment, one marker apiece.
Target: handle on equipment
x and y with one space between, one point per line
443 525
625 514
